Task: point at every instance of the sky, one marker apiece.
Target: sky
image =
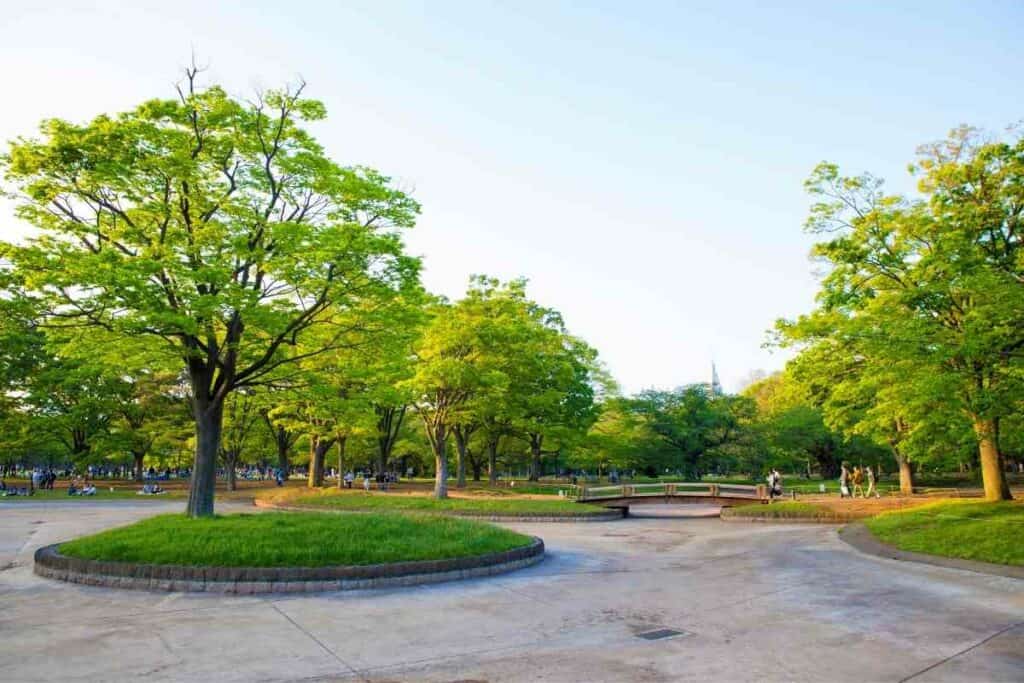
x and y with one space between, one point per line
642 164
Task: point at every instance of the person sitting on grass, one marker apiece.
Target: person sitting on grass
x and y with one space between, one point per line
88 490
72 489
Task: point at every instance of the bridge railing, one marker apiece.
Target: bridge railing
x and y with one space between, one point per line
582 492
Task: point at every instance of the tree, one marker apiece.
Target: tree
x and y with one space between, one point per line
241 415
931 288
619 439
283 436
791 418
692 422
149 410
461 355
214 226
557 401
392 365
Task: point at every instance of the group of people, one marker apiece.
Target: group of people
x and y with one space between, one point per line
6 490
852 483
383 479
860 481
81 487
43 479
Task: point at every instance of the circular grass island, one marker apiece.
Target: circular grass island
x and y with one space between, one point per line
487 507
288 552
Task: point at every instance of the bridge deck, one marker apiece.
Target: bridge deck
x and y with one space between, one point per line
668 490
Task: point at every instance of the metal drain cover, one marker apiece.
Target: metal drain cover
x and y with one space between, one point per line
661 633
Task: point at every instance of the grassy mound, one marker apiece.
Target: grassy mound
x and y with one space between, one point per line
336 499
788 510
294 540
987 532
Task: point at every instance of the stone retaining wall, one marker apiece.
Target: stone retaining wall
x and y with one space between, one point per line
50 563
611 515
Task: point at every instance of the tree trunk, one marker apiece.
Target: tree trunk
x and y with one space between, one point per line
138 457
440 462
318 448
825 455
461 441
209 418
389 424
906 474
230 462
993 477
283 446
492 460
341 461
536 440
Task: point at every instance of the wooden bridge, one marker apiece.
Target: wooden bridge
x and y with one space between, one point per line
624 495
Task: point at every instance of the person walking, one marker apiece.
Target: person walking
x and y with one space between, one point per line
858 482
770 481
844 481
871 483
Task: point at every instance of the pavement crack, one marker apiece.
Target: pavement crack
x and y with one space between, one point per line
28 540
962 652
316 640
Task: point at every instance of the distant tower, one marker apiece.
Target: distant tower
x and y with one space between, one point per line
716 385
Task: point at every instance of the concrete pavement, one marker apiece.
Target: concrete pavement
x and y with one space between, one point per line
751 602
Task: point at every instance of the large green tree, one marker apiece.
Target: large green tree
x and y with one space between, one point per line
929 290
693 423
217 227
459 356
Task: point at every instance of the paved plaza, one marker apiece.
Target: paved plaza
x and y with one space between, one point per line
750 602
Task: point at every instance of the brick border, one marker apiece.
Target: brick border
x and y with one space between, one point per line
609 516
860 538
51 564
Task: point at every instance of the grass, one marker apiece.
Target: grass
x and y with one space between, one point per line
358 500
294 540
987 532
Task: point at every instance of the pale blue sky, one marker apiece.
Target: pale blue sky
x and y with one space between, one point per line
641 163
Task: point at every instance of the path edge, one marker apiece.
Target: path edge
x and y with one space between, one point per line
860 538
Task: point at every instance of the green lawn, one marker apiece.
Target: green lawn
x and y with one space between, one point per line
988 532
294 540
357 500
